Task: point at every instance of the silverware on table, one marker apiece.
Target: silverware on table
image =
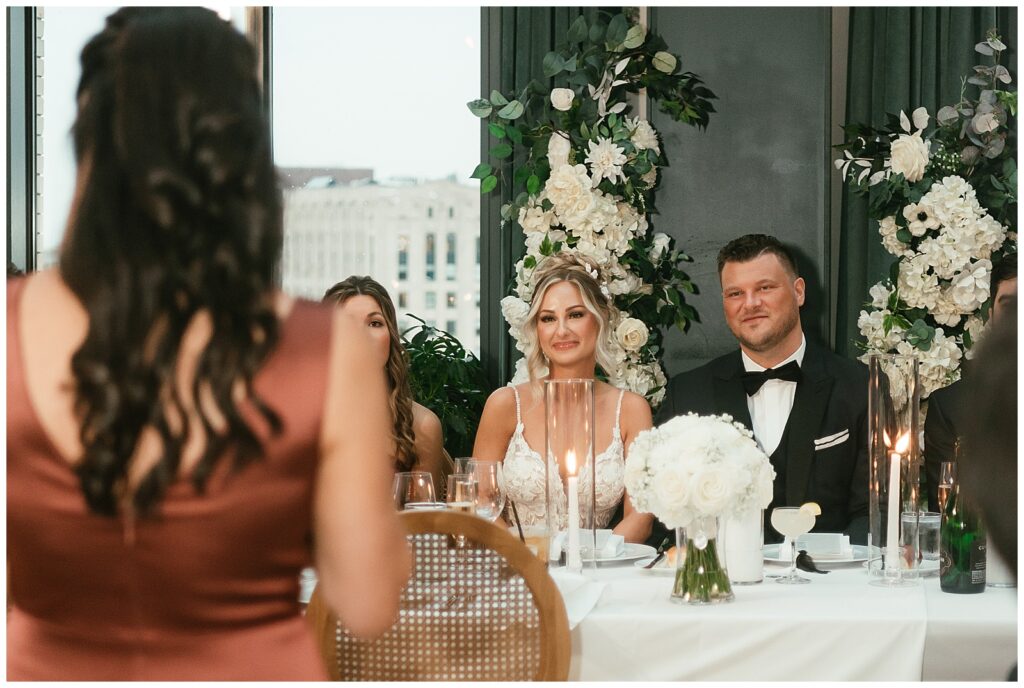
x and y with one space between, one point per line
658 555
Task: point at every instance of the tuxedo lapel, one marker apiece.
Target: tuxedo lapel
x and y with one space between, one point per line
809 406
729 394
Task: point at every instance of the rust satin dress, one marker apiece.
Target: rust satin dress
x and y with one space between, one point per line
206 591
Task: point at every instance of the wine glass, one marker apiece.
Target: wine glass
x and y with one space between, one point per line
414 490
461 464
792 521
490 488
947 478
462 493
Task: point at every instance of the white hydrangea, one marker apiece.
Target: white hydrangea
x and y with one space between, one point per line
887 227
533 218
642 134
569 190
975 328
970 288
880 294
918 285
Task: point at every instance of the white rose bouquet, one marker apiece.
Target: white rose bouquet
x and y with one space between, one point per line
694 468
588 172
945 201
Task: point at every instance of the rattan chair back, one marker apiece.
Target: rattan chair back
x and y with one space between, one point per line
479 606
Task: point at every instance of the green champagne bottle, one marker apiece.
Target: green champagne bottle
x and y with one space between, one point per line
961 548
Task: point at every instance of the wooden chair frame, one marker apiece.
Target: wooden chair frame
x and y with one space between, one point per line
555 642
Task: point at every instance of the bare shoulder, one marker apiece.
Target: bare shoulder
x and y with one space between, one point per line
501 400
424 421
636 413
634 403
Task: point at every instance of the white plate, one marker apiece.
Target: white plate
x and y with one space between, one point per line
631 551
662 568
860 553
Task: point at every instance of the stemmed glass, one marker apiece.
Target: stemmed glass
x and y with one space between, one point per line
792 521
947 478
490 488
414 490
461 464
461 494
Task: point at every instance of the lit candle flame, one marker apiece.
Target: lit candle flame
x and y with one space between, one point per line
903 443
570 462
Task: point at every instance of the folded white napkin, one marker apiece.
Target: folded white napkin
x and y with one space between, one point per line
579 593
821 546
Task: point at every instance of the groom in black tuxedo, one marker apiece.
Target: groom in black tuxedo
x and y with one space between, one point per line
806 406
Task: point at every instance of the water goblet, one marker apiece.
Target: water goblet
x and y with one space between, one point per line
490 488
413 490
792 521
461 494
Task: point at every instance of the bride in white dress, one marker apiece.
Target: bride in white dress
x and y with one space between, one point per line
567 333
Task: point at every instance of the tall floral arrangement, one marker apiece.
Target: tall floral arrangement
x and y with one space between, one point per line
588 172
944 197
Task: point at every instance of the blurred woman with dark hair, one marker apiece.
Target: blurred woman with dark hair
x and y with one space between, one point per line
417 436
176 425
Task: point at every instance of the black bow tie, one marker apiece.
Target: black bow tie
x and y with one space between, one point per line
753 380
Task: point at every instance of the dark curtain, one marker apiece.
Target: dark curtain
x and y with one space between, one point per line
515 41
901 58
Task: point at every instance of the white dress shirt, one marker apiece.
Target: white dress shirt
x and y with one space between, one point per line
770 407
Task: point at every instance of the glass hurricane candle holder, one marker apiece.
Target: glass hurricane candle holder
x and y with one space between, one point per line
894 458
569 446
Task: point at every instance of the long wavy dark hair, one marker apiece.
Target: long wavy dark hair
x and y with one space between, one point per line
397 368
176 213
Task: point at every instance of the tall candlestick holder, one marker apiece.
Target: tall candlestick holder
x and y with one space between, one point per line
894 457
569 446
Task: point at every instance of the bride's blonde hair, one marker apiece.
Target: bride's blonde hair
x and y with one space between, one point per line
586 275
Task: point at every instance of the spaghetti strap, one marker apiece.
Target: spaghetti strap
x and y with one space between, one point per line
519 416
618 412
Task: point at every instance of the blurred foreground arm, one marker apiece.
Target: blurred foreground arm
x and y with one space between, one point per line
362 558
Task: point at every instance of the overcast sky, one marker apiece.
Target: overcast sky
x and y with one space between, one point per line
383 88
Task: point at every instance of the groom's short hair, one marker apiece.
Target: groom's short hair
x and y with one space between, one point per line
751 246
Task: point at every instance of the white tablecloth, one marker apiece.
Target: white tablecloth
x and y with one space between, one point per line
836 628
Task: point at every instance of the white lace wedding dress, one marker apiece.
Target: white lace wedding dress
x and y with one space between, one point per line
523 471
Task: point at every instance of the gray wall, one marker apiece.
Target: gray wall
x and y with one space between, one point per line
762 165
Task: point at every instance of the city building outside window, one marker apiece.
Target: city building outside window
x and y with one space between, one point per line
450 328
355 173
451 250
431 251
430 300
450 300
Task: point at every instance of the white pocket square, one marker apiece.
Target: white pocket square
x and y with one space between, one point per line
831 440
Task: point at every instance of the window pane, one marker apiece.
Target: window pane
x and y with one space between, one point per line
65 31
370 188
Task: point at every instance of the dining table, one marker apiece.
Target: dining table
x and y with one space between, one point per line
836 628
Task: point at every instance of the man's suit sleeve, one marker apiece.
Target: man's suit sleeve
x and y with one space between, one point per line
939 436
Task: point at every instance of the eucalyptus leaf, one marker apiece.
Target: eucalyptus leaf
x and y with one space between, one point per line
947 115
570 64
634 37
506 211
1002 74
482 170
984 48
618 27
514 134
553 64
978 81
514 110
597 31
578 31
498 99
996 44
496 129
664 62
502 151
995 148
480 107
488 184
